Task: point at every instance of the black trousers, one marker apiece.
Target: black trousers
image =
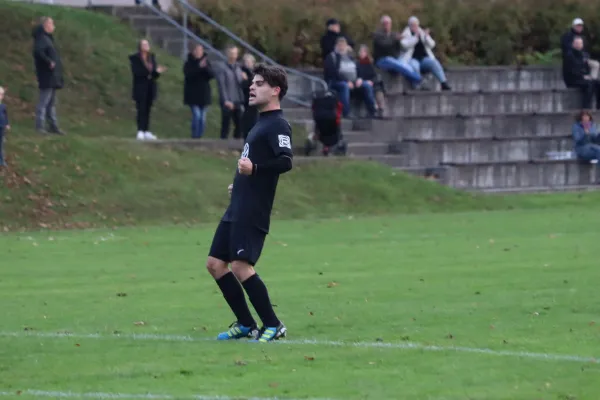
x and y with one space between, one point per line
144 107
589 89
227 116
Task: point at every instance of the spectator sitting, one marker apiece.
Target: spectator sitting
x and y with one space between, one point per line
566 42
586 138
366 72
342 76
418 45
250 113
576 73
387 49
230 79
328 40
196 90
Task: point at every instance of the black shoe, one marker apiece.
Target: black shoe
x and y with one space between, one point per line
445 86
267 334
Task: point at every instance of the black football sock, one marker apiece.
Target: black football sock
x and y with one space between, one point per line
234 295
259 297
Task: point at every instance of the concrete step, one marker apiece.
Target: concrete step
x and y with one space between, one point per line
521 175
144 22
483 78
476 126
391 160
453 103
450 151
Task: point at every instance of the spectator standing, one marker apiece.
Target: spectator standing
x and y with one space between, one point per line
585 137
366 71
230 79
196 91
49 73
387 50
418 45
576 74
566 42
329 39
250 112
4 126
341 74
145 72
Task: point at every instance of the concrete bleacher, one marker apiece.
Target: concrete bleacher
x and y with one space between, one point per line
499 129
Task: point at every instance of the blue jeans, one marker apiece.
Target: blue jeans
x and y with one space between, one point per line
588 152
368 94
397 65
343 91
198 121
429 64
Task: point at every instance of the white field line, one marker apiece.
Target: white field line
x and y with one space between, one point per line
105 238
117 395
330 343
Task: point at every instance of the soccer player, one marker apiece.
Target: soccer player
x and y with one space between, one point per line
239 238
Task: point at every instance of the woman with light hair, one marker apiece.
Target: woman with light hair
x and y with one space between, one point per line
418 51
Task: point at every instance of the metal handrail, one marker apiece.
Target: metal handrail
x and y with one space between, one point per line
313 79
185 31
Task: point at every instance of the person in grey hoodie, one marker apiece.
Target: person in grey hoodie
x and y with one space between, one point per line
230 79
49 73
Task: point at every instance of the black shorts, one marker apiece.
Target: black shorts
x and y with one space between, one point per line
234 241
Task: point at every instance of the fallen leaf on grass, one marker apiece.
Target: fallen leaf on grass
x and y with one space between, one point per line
240 363
77 345
139 323
308 358
273 384
332 284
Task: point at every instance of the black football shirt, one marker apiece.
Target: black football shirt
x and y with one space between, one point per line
253 195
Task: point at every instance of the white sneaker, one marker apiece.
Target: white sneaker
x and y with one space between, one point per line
149 136
140 135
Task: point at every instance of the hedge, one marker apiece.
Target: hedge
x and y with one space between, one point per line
467 32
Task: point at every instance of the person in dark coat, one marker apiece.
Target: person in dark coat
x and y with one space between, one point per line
366 71
576 74
566 41
196 90
330 37
250 113
145 72
49 73
4 126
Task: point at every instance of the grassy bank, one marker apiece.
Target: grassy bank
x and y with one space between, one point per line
96 100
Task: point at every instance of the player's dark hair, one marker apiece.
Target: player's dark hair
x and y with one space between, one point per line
274 76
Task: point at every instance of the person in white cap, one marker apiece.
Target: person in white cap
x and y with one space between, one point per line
566 43
418 51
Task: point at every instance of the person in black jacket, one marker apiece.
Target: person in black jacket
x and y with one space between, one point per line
145 72
250 112
370 77
566 42
330 37
576 74
196 89
49 73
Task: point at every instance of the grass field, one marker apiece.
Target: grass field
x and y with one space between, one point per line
522 284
